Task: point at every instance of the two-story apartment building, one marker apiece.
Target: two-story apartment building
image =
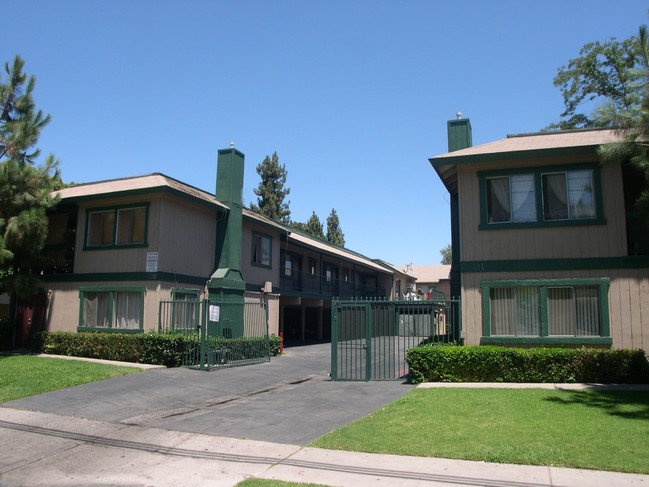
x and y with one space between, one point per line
118 248
547 248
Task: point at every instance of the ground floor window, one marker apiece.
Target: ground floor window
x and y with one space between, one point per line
555 309
119 309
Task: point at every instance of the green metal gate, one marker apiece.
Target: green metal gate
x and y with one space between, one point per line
369 339
218 333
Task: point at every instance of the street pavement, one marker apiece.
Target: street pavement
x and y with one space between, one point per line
179 427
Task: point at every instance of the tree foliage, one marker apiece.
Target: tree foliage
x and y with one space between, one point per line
24 186
447 255
634 126
602 75
272 191
335 234
313 226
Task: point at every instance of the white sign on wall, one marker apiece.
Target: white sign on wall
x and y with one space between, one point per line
152 261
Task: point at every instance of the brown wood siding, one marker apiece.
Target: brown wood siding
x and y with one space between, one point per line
64 303
255 274
183 234
538 243
187 238
628 302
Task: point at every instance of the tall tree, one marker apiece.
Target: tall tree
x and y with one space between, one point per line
314 226
447 255
271 192
24 187
602 74
335 234
634 125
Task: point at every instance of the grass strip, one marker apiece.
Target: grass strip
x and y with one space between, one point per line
580 429
25 375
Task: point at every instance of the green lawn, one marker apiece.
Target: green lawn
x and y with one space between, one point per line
26 375
581 429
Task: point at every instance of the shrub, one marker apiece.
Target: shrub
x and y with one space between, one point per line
434 363
164 348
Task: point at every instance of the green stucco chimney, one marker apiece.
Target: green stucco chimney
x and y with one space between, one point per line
459 133
459 137
227 282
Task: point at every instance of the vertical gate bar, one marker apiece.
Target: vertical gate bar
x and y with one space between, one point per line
334 341
368 343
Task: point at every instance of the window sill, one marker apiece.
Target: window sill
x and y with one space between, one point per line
554 340
543 224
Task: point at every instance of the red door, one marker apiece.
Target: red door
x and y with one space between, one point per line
30 318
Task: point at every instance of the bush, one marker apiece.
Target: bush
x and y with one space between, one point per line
435 363
164 348
6 333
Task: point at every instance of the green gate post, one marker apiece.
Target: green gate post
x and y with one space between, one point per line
203 331
334 341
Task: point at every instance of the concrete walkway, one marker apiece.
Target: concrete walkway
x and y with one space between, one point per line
177 427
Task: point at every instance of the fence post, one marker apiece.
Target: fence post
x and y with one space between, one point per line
202 333
334 341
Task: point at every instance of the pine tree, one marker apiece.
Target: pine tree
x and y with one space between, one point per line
271 191
335 234
634 126
314 226
24 187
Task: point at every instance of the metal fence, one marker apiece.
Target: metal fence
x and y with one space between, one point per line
369 339
218 333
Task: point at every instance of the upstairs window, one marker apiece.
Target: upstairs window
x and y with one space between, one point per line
116 227
568 195
261 250
540 197
511 199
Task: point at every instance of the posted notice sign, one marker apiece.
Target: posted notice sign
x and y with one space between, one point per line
152 261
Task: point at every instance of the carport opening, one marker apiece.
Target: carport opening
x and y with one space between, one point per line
306 326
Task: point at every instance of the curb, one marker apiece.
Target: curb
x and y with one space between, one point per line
102 361
515 385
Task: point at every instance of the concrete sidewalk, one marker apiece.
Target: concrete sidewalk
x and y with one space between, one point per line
52 450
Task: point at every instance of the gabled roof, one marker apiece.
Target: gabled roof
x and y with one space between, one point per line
429 273
149 183
297 237
572 142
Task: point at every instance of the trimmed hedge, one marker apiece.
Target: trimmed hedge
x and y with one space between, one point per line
442 363
151 348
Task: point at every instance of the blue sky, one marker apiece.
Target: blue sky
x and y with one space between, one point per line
352 95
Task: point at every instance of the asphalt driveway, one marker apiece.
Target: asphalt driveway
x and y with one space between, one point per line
288 400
